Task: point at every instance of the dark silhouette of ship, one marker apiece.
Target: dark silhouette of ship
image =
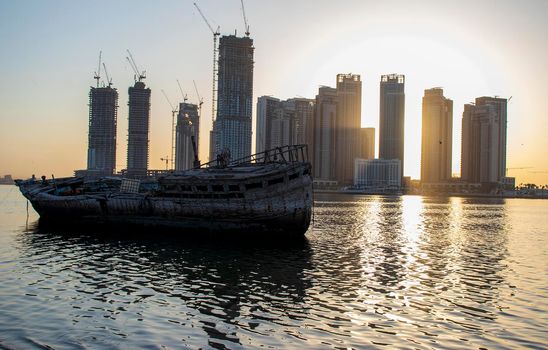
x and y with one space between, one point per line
263 193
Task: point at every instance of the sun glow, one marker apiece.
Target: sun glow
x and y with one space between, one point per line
426 63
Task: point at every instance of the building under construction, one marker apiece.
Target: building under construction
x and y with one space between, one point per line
138 127
188 126
232 128
103 107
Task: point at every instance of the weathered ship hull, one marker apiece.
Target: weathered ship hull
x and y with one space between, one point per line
275 200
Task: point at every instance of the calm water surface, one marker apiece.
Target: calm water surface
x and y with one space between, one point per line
373 272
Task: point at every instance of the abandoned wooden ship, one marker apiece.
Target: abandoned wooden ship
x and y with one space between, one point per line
266 192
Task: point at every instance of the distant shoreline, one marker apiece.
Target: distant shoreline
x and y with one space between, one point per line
446 195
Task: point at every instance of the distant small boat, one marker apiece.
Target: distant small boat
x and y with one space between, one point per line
263 193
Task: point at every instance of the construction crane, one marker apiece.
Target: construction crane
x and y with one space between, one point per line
245 19
200 99
138 76
97 75
185 98
215 33
200 103
166 159
109 79
173 113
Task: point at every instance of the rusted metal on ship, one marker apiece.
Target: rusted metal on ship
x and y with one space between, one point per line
266 192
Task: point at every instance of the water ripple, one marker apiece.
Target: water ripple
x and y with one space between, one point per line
373 272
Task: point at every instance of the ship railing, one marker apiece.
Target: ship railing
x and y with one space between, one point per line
282 154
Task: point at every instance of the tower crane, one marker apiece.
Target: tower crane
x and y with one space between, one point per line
215 33
173 113
97 75
245 19
185 98
166 159
109 79
200 99
138 76
194 141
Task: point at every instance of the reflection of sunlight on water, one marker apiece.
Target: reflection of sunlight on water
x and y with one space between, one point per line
369 212
412 216
412 209
402 272
414 251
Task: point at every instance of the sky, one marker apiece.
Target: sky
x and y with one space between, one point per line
49 51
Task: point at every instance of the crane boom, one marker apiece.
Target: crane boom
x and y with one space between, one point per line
215 33
200 100
138 76
206 21
97 75
173 130
109 79
168 101
245 19
133 67
185 98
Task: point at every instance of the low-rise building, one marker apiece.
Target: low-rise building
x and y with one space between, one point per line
377 173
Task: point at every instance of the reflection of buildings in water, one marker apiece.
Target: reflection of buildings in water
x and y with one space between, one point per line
223 282
485 241
389 271
462 257
435 248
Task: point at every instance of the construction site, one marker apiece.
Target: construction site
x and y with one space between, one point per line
138 123
103 115
231 113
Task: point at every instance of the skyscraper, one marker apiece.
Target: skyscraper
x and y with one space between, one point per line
138 127
367 143
347 145
392 117
281 123
103 108
266 111
437 139
325 122
232 128
484 140
187 127
500 106
303 125
281 130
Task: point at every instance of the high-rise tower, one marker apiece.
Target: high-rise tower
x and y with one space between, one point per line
281 123
138 127
437 139
303 131
103 108
484 140
500 106
266 111
367 143
187 127
232 128
325 123
349 109
392 117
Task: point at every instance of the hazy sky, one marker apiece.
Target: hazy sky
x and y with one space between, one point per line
49 51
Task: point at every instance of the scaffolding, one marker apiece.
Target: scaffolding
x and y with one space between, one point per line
138 128
103 114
